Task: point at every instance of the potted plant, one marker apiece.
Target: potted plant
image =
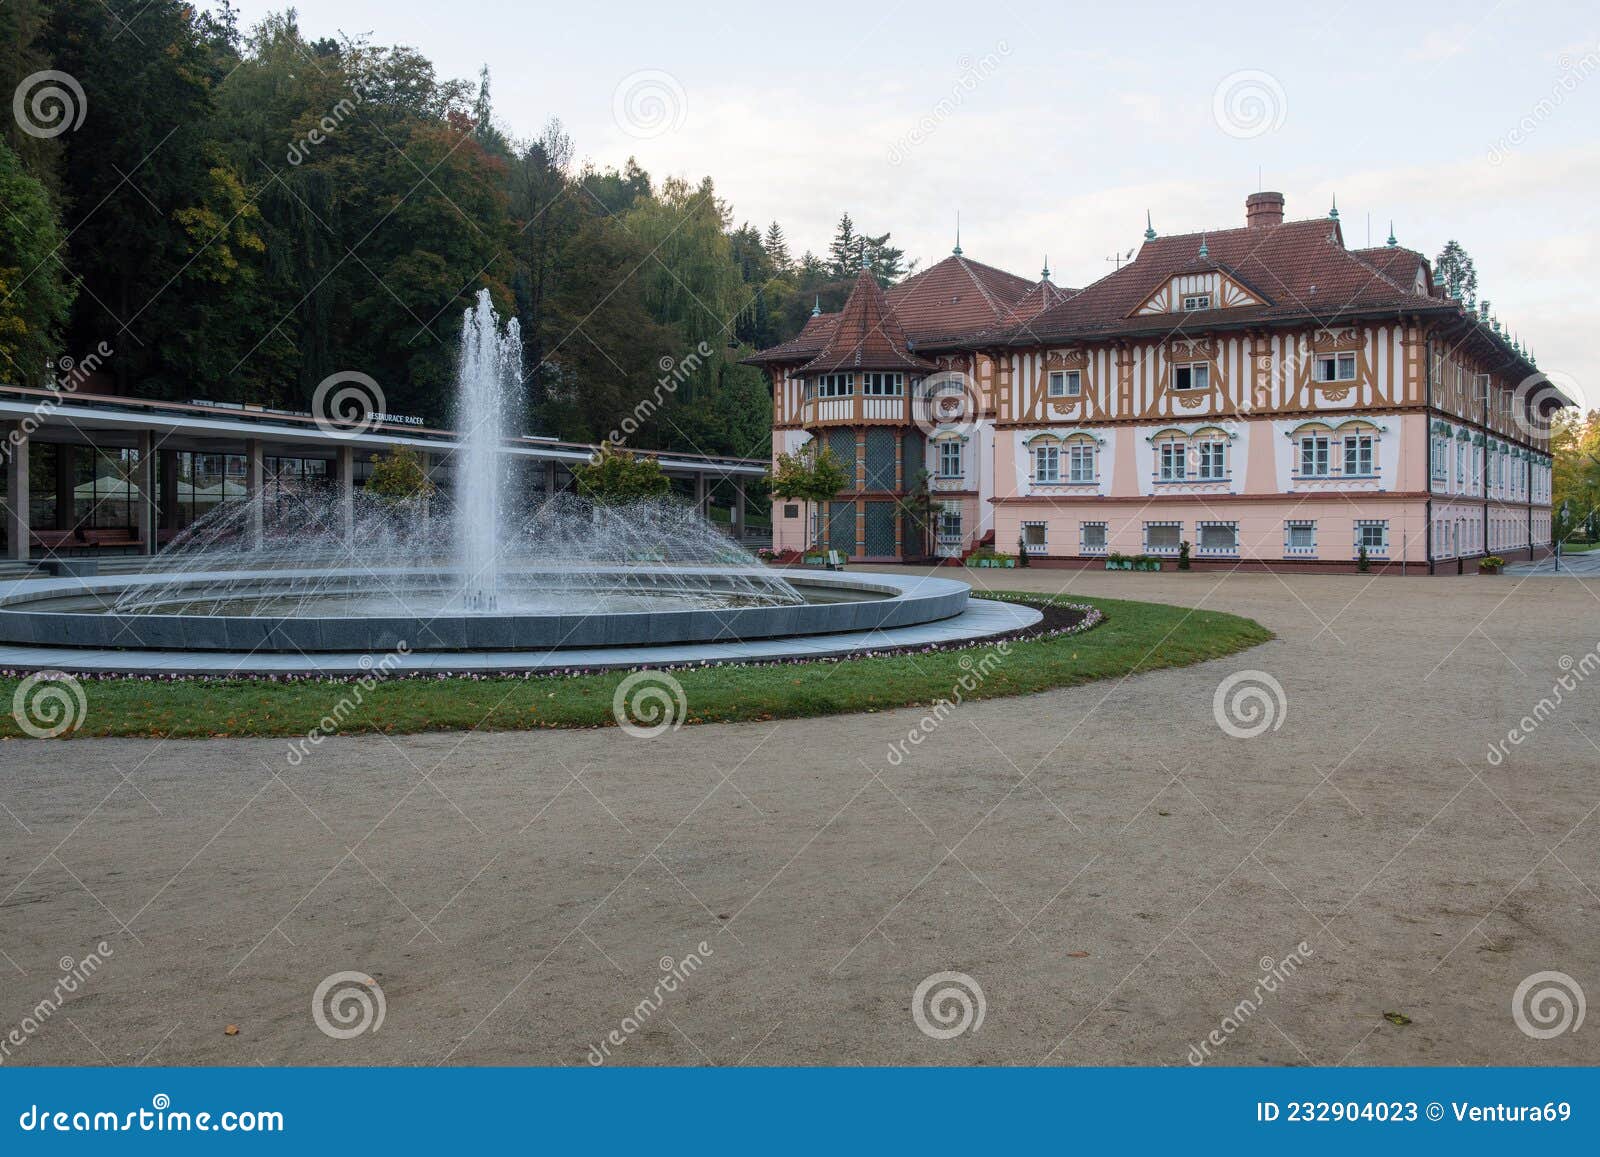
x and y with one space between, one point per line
1363 563
1183 556
1146 562
1022 551
814 556
1116 560
1492 564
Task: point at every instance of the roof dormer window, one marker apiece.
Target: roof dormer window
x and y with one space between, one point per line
1194 301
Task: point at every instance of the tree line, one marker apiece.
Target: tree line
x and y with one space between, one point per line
239 213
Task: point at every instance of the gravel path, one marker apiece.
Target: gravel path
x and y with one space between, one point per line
1108 865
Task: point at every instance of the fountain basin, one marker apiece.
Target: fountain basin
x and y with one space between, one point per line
77 612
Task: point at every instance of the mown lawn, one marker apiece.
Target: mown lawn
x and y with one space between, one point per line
1134 637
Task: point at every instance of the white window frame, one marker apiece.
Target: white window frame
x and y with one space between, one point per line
1043 545
1163 550
1289 527
836 385
1172 461
1196 301
1339 362
1216 469
1083 538
1362 525
1081 463
1199 376
1321 445
1047 464
883 385
949 516
1353 448
954 446
1215 551
1069 381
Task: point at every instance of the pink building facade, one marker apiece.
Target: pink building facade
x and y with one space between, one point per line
1262 394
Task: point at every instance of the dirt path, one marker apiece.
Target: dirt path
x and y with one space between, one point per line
1105 863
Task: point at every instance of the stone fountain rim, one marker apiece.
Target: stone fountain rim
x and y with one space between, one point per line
898 601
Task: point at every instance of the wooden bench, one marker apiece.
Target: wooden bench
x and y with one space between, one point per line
58 542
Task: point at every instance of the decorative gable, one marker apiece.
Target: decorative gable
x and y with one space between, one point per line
1198 290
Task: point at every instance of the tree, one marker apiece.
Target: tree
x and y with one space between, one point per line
811 475
1575 473
920 510
844 251
399 476
777 247
35 295
1454 269
616 476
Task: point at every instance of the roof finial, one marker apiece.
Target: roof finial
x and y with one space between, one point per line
1045 273
1333 213
1205 250
1392 241
1149 229
957 249
816 306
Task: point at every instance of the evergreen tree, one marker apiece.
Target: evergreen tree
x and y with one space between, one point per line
844 251
1453 268
35 294
777 248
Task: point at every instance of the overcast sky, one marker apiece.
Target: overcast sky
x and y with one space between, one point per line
1052 127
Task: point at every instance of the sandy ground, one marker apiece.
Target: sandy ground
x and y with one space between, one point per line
1108 866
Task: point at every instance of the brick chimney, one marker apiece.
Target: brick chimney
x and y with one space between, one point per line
1263 209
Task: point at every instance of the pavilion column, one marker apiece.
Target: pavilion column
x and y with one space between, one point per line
549 478
426 458
254 485
738 509
66 480
347 492
700 494
18 533
169 489
144 486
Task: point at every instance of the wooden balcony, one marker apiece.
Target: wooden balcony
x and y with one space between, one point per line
854 410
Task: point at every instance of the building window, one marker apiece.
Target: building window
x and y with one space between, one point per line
1358 455
883 386
836 385
1374 535
950 523
1213 461
950 460
1080 462
1033 537
791 510
1218 538
1300 536
1047 464
1336 368
1162 537
1174 461
1192 376
1461 465
1196 301
1065 383
1092 537
1314 456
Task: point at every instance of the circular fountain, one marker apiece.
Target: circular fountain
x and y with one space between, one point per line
315 581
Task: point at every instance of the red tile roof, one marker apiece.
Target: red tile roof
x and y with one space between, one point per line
866 336
1301 270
